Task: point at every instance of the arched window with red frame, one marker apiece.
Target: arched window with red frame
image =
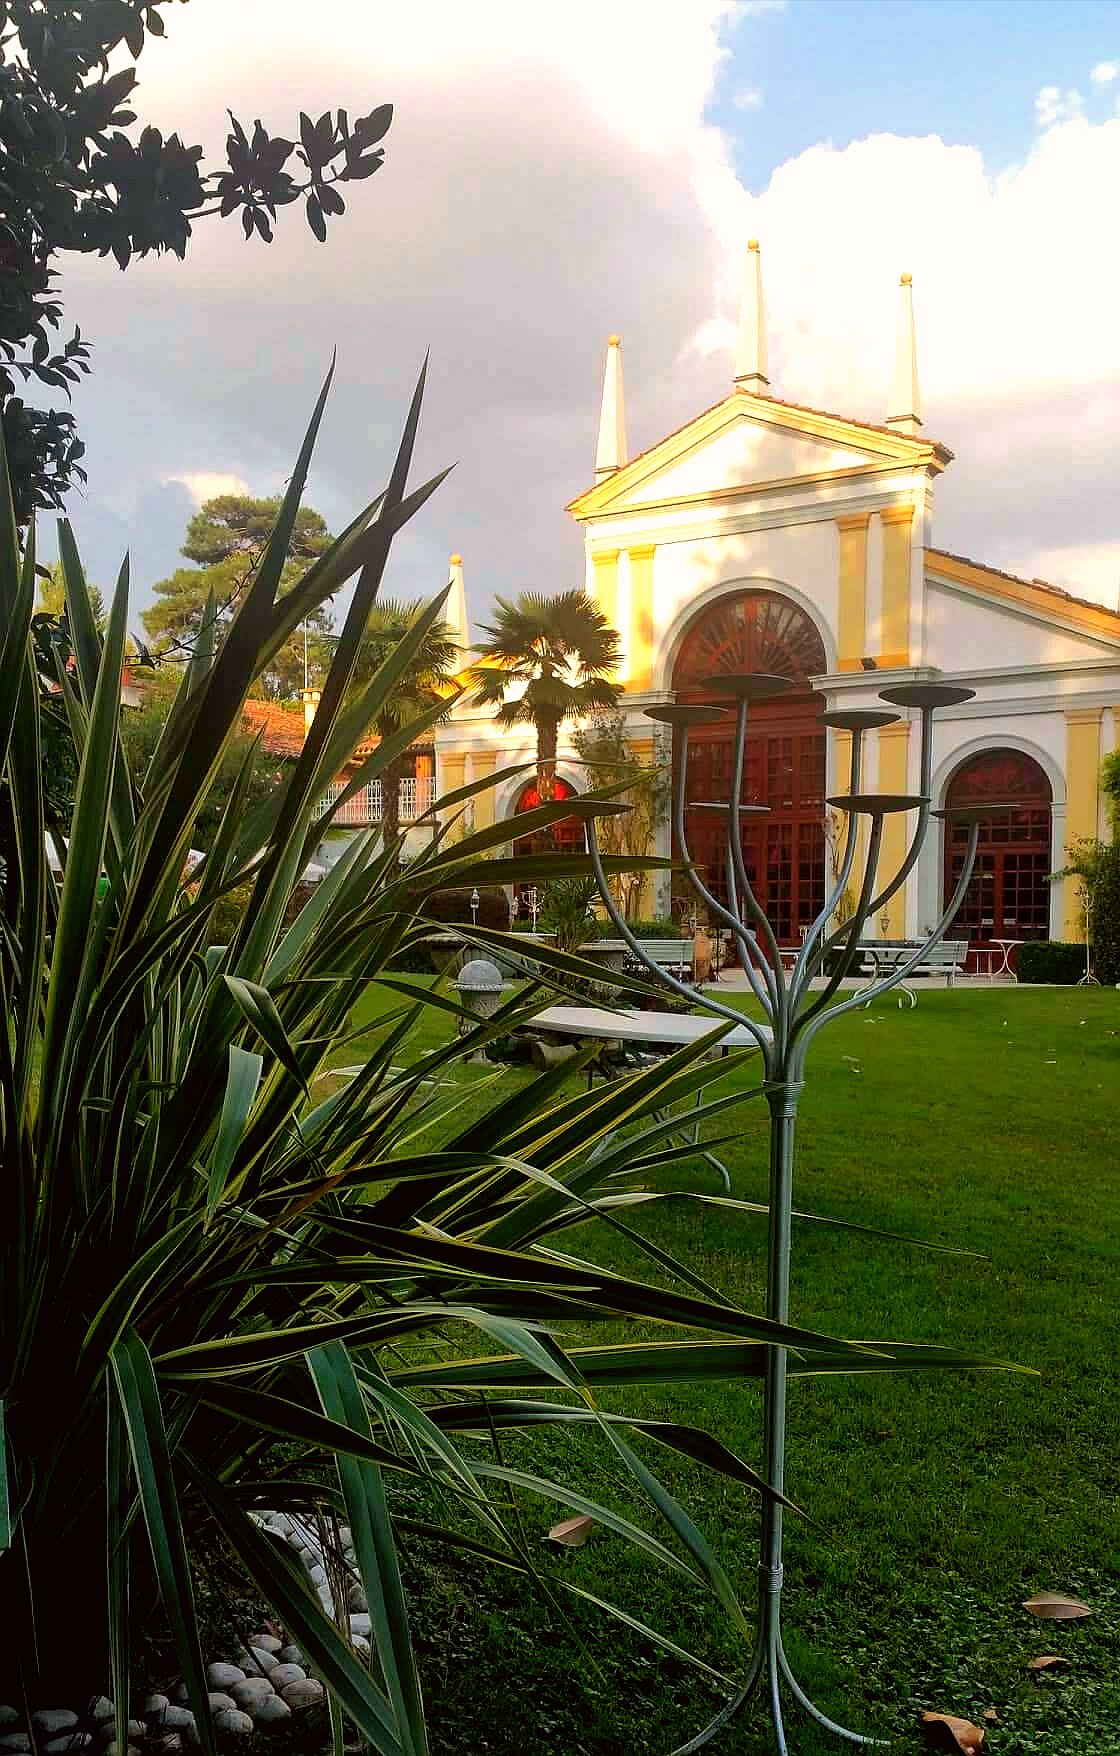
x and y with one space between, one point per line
567 835
1009 894
751 631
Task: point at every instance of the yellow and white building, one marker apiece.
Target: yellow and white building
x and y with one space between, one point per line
764 535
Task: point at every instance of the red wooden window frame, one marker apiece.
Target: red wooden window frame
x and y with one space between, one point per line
785 759
1009 895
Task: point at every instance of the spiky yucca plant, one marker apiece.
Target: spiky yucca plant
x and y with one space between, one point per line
214 1279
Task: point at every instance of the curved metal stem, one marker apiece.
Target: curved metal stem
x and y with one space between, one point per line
814 1712
748 944
799 980
852 931
731 1710
924 783
776 980
761 1035
808 1025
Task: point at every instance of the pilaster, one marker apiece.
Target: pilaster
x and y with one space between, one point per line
1083 762
604 565
449 772
641 655
897 522
484 765
851 628
894 753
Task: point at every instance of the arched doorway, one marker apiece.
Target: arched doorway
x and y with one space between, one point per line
1009 896
567 835
785 758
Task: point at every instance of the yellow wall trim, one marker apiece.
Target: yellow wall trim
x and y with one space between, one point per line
851 627
1083 762
894 639
640 669
604 564
894 755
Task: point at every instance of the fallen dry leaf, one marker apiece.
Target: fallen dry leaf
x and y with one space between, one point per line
947 1732
1054 1606
1047 1662
991 1716
572 1532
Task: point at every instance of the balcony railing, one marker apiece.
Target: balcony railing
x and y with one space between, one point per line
366 805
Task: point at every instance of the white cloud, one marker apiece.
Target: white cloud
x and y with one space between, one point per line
1105 72
1052 105
204 485
1090 570
750 99
543 187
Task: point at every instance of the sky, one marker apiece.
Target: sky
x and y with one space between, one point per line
557 173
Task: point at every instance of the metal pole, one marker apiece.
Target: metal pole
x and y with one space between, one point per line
795 1015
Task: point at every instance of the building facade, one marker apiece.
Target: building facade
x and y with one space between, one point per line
768 536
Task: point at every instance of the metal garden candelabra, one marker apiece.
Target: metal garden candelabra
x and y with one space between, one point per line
795 1007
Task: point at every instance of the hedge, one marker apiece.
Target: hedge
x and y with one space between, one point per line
454 908
1053 961
1106 918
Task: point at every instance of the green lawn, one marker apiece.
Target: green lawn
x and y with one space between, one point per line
983 1119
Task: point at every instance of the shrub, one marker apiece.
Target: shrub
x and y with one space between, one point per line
565 912
1106 917
453 907
1050 961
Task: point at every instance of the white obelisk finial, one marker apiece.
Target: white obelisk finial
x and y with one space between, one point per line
750 350
455 609
904 411
611 452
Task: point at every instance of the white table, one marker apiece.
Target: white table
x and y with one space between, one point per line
659 1030
1006 946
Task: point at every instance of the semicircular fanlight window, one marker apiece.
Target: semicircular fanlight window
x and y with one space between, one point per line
751 632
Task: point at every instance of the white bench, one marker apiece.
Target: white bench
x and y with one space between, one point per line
674 955
880 958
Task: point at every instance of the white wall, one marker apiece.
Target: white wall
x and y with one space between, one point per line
963 634
800 560
744 455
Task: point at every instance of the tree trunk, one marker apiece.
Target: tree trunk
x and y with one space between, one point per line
547 731
391 776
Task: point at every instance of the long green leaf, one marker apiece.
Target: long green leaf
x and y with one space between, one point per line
242 1080
374 1546
284 1585
142 1413
5 1495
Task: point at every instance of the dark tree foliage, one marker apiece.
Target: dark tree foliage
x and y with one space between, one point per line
75 177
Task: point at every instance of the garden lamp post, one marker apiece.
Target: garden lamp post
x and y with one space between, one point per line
794 1011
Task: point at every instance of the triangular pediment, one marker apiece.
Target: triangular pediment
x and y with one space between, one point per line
1064 628
747 443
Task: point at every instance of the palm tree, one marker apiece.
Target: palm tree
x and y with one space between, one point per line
429 676
550 660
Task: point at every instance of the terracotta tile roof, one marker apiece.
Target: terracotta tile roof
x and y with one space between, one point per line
806 408
282 727
1055 591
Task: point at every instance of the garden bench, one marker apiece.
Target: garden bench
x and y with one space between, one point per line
878 958
674 955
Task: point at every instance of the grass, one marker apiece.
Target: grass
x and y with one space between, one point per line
935 1505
